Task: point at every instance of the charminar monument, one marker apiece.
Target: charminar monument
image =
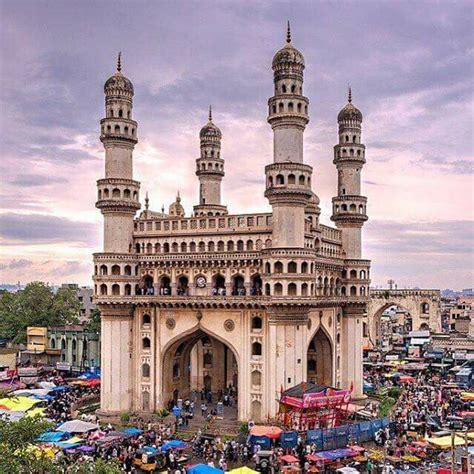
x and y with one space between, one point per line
261 301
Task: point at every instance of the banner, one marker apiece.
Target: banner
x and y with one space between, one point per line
289 439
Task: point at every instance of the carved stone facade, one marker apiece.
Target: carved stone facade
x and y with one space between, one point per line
259 301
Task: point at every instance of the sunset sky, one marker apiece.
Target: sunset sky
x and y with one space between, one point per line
410 65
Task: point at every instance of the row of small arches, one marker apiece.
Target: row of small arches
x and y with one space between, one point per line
351 152
210 167
290 179
128 270
192 247
347 139
119 113
117 193
291 267
217 153
289 108
349 208
118 130
289 89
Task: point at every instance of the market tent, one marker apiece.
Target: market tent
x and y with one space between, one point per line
289 458
242 470
204 469
29 392
174 444
444 442
52 436
78 426
38 411
12 415
18 403
464 396
70 443
133 431
272 432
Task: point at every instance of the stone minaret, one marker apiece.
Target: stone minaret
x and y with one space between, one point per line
118 201
118 197
349 207
349 214
288 179
288 189
210 171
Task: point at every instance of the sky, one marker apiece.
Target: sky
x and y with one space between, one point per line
409 63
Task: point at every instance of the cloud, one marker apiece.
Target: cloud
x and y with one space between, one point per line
33 180
32 229
15 264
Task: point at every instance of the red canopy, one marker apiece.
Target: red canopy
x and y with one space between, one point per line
289 458
272 432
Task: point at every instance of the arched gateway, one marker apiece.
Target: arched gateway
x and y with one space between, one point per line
194 362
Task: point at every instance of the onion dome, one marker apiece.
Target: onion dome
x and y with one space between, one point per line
210 130
288 56
118 84
313 205
349 112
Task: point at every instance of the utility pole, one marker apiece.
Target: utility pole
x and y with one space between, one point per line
453 452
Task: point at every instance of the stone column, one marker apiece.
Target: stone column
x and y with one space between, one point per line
286 351
352 342
116 361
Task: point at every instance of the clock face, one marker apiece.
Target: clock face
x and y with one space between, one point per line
201 282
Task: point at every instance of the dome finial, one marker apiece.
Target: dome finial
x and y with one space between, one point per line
147 201
288 33
210 113
119 62
349 97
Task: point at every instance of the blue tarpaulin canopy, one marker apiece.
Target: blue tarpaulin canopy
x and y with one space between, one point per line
173 444
133 431
204 469
53 436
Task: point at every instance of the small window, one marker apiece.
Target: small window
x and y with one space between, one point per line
146 319
146 343
256 349
257 322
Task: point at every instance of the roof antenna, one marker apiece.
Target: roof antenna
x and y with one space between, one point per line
119 62
288 33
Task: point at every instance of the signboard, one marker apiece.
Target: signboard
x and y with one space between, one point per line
27 371
391 357
220 408
413 351
289 439
29 380
63 366
462 356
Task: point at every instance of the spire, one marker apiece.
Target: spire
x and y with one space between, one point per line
147 201
119 62
349 98
210 113
288 33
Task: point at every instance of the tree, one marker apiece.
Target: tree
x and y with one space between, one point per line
93 324
16 453
36 305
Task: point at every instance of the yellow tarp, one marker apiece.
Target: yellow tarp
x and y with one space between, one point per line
467 395
242 470
73 440
18 403
36 411
444 442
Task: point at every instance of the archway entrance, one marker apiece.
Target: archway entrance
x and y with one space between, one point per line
320 360
391 321
201 368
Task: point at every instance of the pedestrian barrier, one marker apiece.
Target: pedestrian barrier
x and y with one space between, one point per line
335 438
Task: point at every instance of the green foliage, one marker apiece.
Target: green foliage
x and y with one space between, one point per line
244 427
394 392
36 305
386 406
125 417
93 325
16 453
163 413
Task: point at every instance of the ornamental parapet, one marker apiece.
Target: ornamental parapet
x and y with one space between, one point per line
403 293
210 302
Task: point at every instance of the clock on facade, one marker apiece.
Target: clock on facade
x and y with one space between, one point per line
201 282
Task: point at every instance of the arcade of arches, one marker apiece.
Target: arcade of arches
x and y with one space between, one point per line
320 359
198 361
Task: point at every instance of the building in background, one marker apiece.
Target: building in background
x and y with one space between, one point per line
79 349
85 296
